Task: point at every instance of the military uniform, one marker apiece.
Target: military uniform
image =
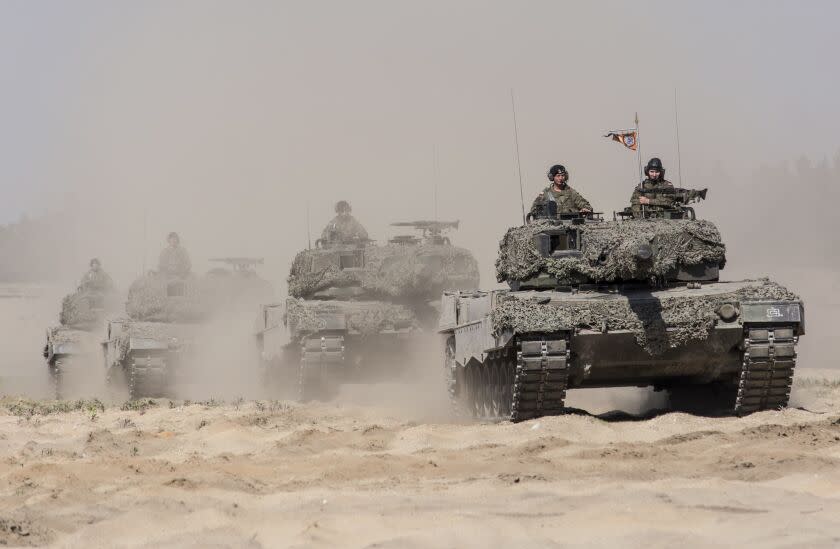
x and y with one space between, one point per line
174 261
568 200
96 281
658 202
344 228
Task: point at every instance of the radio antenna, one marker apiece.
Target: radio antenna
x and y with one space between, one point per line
435 176
308 231
518 163
677 126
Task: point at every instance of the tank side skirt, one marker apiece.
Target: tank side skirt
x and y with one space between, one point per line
767 372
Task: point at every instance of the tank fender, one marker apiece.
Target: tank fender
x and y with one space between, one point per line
772 312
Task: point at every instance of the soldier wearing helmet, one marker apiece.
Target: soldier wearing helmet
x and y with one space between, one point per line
567 199
96 279
645 196
343 227
174 259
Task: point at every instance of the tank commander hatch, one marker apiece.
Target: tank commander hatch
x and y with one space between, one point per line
567 199
343 227
174 259
96 279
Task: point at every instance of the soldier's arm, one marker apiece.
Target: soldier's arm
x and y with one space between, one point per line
581 203
635 205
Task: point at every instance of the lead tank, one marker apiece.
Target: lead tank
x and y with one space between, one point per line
627 302
165 323
356 310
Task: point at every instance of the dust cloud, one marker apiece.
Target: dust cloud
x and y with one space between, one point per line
239 128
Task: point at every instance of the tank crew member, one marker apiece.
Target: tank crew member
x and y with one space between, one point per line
568 200
343 227
96 279
654 181
174 259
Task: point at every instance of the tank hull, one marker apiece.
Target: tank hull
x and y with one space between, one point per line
619 337
309 349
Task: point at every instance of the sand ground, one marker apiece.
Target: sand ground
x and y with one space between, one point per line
281 474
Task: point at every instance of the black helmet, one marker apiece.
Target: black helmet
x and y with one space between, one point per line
342 206
655 164
555 169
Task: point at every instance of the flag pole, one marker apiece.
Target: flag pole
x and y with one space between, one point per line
638 146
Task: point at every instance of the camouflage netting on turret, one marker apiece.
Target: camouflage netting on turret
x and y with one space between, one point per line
658 325
388 271
366 318
609 251
76 311
161 298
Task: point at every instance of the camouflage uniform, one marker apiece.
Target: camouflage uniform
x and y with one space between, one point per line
568 200
174 261
344 228
96 281
658 202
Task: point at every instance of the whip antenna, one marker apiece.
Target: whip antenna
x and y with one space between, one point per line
518 163
308 232
677 126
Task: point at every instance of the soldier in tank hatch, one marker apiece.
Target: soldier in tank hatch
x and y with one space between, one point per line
645 193
174 259
567 199
343 227
96 279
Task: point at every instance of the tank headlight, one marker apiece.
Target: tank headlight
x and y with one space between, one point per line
727 312
644 252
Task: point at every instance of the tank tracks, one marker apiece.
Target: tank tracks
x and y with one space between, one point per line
57 377
767 372
524 381
147 375
321 358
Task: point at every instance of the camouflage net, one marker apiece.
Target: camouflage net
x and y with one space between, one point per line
609 251
76 311
148 299
389 271
658 324
365 317
61 335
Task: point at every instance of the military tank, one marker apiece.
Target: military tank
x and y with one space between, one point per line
621 303
355 308
73 343
165 316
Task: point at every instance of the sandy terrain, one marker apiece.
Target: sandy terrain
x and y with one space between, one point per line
278 474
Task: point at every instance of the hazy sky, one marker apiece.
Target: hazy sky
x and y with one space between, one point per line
223 119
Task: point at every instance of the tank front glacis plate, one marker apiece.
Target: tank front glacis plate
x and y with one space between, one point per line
359 317
660 320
